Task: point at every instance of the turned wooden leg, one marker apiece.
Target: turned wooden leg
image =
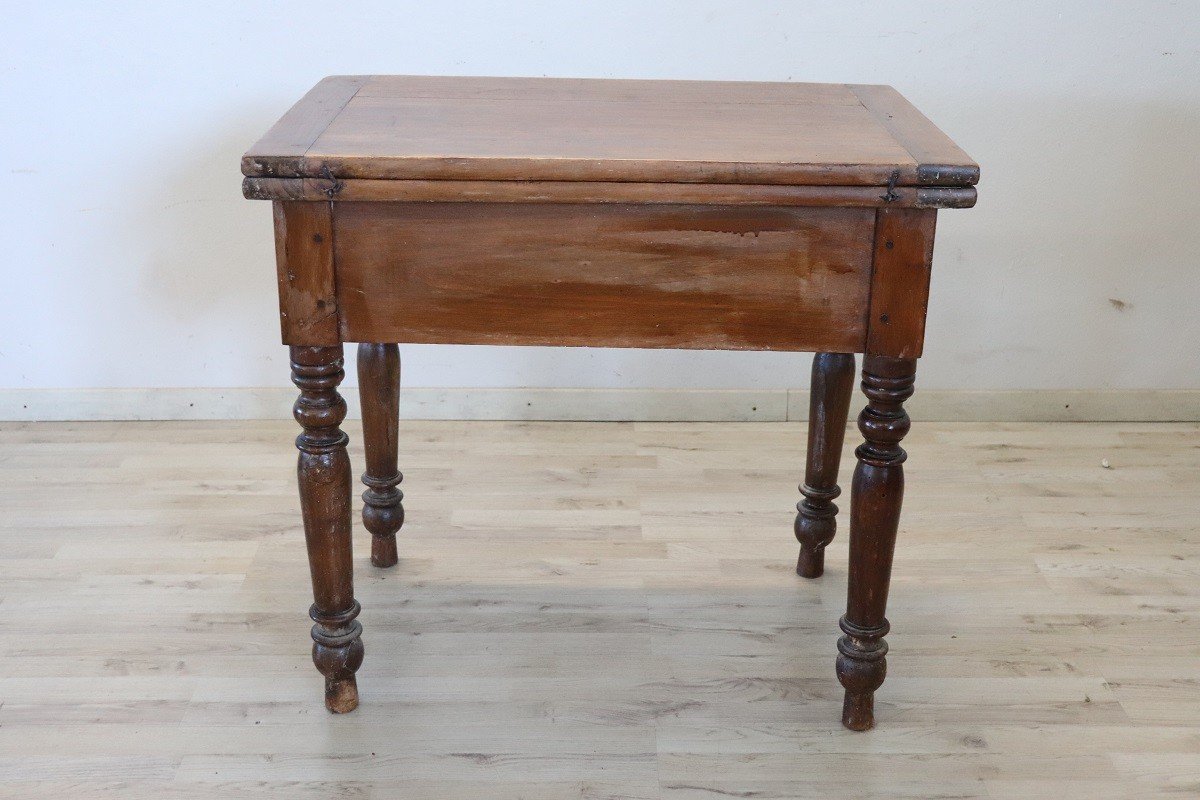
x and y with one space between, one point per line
379 392
875 497
324 475
828 406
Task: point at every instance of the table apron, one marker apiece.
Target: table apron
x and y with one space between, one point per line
684 276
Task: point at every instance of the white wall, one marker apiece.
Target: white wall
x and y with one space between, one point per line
131 260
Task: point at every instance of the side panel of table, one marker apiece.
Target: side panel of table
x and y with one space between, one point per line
822 279
609 275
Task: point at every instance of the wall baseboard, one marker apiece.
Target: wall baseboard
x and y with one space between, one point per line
692 405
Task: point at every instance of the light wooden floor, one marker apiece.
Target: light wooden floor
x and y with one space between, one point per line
598 611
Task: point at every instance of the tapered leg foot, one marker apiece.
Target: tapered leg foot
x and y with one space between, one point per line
341 696
383 551
861 669
876 494
829 405
811 563
323 472
338 653
858 711
379 392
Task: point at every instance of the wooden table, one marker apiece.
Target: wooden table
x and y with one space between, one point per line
665 214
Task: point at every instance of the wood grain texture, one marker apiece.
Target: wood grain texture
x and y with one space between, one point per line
281 150
616 276
305 273
940 162
597 610
469 191
900 282
412 127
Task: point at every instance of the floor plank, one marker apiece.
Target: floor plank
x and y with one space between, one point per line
598 611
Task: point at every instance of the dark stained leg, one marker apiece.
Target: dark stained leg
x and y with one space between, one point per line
379 392
875 497
324 473
828 406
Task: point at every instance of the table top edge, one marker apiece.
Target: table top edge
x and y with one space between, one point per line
285 151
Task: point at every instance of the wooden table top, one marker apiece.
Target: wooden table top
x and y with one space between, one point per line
549 129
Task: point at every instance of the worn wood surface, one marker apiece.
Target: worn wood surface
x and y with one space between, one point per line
620 276
305 273
401 127
598 610
900 282
940 161
282 149
737 194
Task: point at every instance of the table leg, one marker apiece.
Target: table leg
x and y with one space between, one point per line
379 393
828 405
875 497
323 469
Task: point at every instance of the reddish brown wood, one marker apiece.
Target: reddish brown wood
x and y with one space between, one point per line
323 469
875 498
304 268
900 282
725 278
379 392
828 406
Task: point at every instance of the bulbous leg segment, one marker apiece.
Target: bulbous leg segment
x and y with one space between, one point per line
379 392
829 404
861 668
815 526
383 516
337 653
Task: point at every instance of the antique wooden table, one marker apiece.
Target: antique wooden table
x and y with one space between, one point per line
665 214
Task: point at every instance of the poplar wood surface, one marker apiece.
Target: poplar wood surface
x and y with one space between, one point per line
598 611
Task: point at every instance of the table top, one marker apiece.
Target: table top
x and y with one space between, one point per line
551 129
